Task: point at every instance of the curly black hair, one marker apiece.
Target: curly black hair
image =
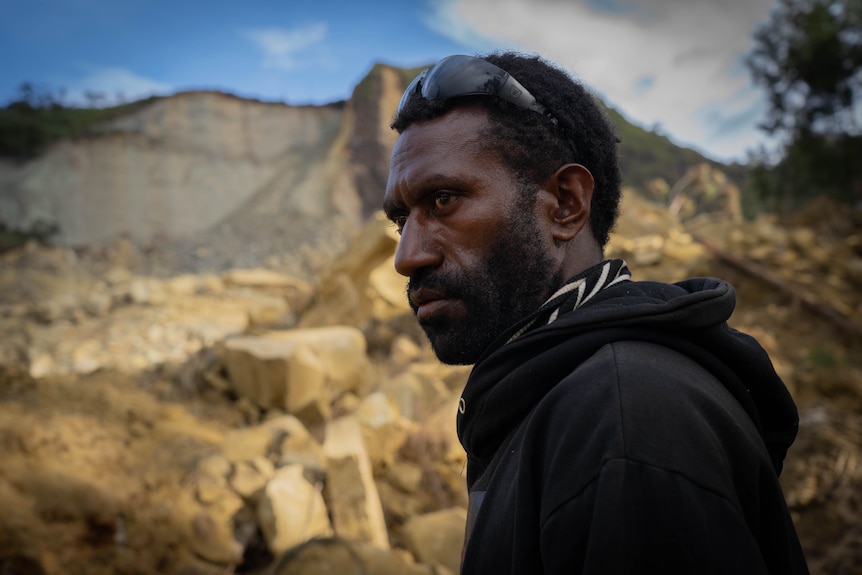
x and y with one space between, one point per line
532 144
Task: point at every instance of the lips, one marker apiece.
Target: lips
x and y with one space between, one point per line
421 296
427 302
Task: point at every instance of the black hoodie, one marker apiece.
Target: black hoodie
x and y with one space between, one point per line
638 433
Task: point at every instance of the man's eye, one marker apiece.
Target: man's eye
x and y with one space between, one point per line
442 199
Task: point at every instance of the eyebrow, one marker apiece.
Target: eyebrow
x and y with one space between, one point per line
439 181
434 181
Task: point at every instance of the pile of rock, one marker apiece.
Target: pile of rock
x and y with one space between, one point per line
654 242
829 264
343 449
823 261
346 460
71 316
351 441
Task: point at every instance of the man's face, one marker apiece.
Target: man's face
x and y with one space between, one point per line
477 254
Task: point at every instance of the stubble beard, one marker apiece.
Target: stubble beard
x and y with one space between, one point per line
516 278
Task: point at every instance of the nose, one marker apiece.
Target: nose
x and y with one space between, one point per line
416 250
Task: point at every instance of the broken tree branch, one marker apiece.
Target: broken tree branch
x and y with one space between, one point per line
805 299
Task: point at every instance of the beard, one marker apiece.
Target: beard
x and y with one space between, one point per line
513 281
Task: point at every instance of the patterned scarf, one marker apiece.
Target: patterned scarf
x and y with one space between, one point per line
576 292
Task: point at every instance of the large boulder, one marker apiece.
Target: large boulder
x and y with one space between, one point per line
383 429
300 370
350 489
291 510
342 353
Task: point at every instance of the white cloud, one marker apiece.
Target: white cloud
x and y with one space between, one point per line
280 46
443 19
115 84
674 63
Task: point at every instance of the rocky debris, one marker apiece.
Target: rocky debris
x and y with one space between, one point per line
341 351
212 537
384 429
434 537
357 513
267 279
416 391
281 472
327 556
818 261
296 488
291 510
301 371
273 298
249 421
705 191
260 369
652 241
361 287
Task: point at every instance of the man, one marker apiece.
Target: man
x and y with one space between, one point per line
611 426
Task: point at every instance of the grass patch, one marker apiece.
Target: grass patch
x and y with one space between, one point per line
821 357
26 131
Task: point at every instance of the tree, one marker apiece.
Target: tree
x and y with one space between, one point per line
808 58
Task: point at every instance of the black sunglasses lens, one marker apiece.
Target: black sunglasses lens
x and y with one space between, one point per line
462 76
411 88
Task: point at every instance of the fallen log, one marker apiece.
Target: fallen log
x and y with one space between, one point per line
796 293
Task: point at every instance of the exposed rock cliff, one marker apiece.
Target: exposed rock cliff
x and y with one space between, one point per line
210 177
374 101
175 168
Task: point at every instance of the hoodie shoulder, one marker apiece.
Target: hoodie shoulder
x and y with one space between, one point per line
677 415
693 303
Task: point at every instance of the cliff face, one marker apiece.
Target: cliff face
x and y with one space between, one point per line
208 173
171 170
374 102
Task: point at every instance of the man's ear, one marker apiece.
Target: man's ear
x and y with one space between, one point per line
572 189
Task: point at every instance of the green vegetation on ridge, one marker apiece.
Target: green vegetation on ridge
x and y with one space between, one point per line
35 120
646 155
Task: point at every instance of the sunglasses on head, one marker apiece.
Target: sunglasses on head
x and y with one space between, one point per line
459 75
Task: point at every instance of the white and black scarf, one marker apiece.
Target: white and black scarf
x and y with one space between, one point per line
576 292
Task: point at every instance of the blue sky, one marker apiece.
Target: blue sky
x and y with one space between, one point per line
672 64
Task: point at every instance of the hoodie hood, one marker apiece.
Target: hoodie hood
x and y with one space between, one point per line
689 317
